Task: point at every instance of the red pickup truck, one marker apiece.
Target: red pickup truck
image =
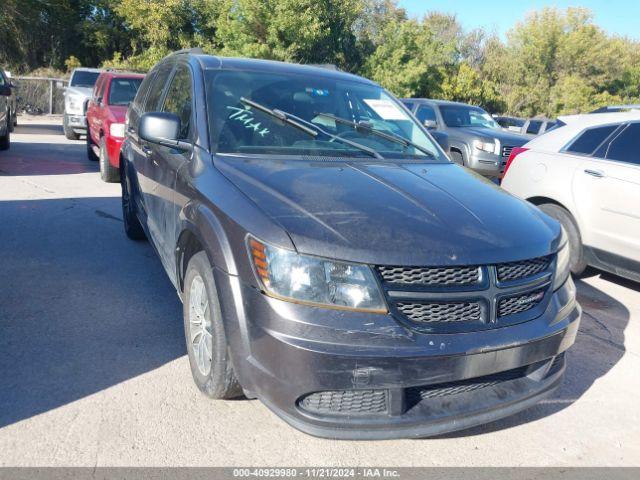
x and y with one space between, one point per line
105 119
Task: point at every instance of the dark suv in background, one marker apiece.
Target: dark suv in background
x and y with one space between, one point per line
331 260
476 140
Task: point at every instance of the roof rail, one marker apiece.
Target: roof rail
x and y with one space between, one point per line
196 50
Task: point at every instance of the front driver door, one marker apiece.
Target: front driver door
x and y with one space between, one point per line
164 164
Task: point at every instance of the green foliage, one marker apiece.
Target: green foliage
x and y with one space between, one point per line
553 62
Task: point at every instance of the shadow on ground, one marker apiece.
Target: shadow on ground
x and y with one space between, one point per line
27 159
599 347
82 308
39 129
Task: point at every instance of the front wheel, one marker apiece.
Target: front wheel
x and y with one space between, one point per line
456 157
132 226
576 252
204 331
91 155
107 172
69 133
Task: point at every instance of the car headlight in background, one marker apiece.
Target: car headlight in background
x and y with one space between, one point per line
117 130
490 147
563 261
74 104
316 281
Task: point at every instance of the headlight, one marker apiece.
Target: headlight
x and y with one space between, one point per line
117 130
485 146
563 261
316 281
74 104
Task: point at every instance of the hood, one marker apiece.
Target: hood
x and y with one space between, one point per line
392 213
79 91
506 138
117 113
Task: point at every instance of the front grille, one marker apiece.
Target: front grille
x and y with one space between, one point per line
506 152
523 269
346 402
441 312
431 276
461 299
519 303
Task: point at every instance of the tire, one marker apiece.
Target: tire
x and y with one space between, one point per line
132 226
576 251
218 380
91 155
456 157
5 140
107 172
11 121
68 132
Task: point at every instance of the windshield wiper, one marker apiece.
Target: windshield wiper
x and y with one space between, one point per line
303 125
366 127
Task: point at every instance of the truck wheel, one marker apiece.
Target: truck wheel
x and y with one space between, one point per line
91 155
132 226
456 157
107 172
69 133
207 345
5 140
576 252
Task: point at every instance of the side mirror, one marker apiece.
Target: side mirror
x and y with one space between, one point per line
430 124
5 90
162 128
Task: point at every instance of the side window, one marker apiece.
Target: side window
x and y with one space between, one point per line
409 105
179 99
425 112
626 146
96 89
157 87
589 140
1 79
101 89
534 126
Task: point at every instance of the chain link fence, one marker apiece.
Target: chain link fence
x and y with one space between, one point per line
39 95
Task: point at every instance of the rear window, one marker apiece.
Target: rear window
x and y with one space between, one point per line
590 139
626 146
123 90
534 127
84 79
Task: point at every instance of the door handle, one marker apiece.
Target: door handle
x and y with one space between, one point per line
147 151
594 173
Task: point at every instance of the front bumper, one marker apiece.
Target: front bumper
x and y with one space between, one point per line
378 379
76 122
485 163
113 145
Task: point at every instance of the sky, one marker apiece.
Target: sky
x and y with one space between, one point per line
618 17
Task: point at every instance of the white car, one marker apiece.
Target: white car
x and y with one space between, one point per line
587 176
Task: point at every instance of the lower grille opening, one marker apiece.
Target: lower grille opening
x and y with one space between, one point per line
345 402
442 312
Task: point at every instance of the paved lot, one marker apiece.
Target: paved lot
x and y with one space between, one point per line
93 369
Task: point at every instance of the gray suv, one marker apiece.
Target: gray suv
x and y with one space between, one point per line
475 138
331 260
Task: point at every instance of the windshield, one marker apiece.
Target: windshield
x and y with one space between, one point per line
84 79
466 116
122 90
237 127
